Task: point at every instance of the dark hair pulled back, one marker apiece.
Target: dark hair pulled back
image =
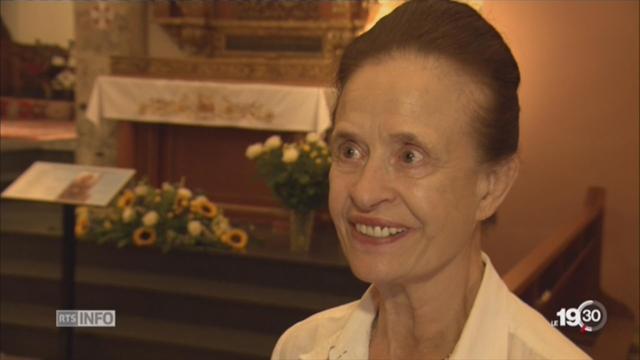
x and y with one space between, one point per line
454 31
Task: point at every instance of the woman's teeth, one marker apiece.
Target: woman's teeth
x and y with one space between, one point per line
377 231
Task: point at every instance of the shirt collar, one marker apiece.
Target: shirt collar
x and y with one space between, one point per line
353 341
485 333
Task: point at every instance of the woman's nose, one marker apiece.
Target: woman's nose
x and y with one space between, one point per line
372 187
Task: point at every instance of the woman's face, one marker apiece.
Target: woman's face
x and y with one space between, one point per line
404 178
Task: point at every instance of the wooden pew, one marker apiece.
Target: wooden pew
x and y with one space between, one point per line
564 270
568 260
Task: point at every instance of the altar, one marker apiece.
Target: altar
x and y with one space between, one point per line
254 106
171 128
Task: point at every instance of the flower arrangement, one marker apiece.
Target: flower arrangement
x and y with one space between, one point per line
297 173
170 216
62 78
45 72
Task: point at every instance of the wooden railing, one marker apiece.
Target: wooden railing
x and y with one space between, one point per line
565 268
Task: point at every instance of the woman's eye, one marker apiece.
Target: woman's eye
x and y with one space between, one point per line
348 151
411 156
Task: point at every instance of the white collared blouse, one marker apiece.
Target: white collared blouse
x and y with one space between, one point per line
500 326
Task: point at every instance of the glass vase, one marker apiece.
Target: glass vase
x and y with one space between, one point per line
300 230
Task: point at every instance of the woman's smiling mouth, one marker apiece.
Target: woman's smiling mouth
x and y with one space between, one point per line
377 231
368 231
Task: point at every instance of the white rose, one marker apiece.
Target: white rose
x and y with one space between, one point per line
58 60
141 190
66 78
273 142
167 187
221 226
312 137
128 214
290 155
150 219
184 193
253 151
194 227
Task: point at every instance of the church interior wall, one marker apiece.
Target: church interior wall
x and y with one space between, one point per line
55 19
579 128
579 122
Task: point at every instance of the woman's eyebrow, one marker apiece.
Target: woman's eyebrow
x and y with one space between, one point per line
411 138
339 134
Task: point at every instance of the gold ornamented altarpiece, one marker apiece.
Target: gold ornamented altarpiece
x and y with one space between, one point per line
269 41
253 40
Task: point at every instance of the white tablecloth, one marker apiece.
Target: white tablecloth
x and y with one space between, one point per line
205 103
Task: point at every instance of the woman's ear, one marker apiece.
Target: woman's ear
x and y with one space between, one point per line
494 185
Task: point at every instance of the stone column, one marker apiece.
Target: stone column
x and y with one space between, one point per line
103 29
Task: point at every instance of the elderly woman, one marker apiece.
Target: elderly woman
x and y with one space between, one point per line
424 151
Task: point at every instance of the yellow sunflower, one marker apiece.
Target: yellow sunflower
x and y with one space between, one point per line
126 199
205 208
82 226
82 211
237 239
144 237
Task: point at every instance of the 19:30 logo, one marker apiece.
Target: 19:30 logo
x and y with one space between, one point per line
590 316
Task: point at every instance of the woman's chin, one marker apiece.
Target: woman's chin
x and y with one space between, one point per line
370 271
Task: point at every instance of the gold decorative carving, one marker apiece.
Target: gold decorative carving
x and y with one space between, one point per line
259 18
205 107
278 10
253 40
318 71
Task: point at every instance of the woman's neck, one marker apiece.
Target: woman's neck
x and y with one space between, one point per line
425 319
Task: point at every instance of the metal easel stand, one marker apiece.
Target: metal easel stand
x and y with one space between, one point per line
68 261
